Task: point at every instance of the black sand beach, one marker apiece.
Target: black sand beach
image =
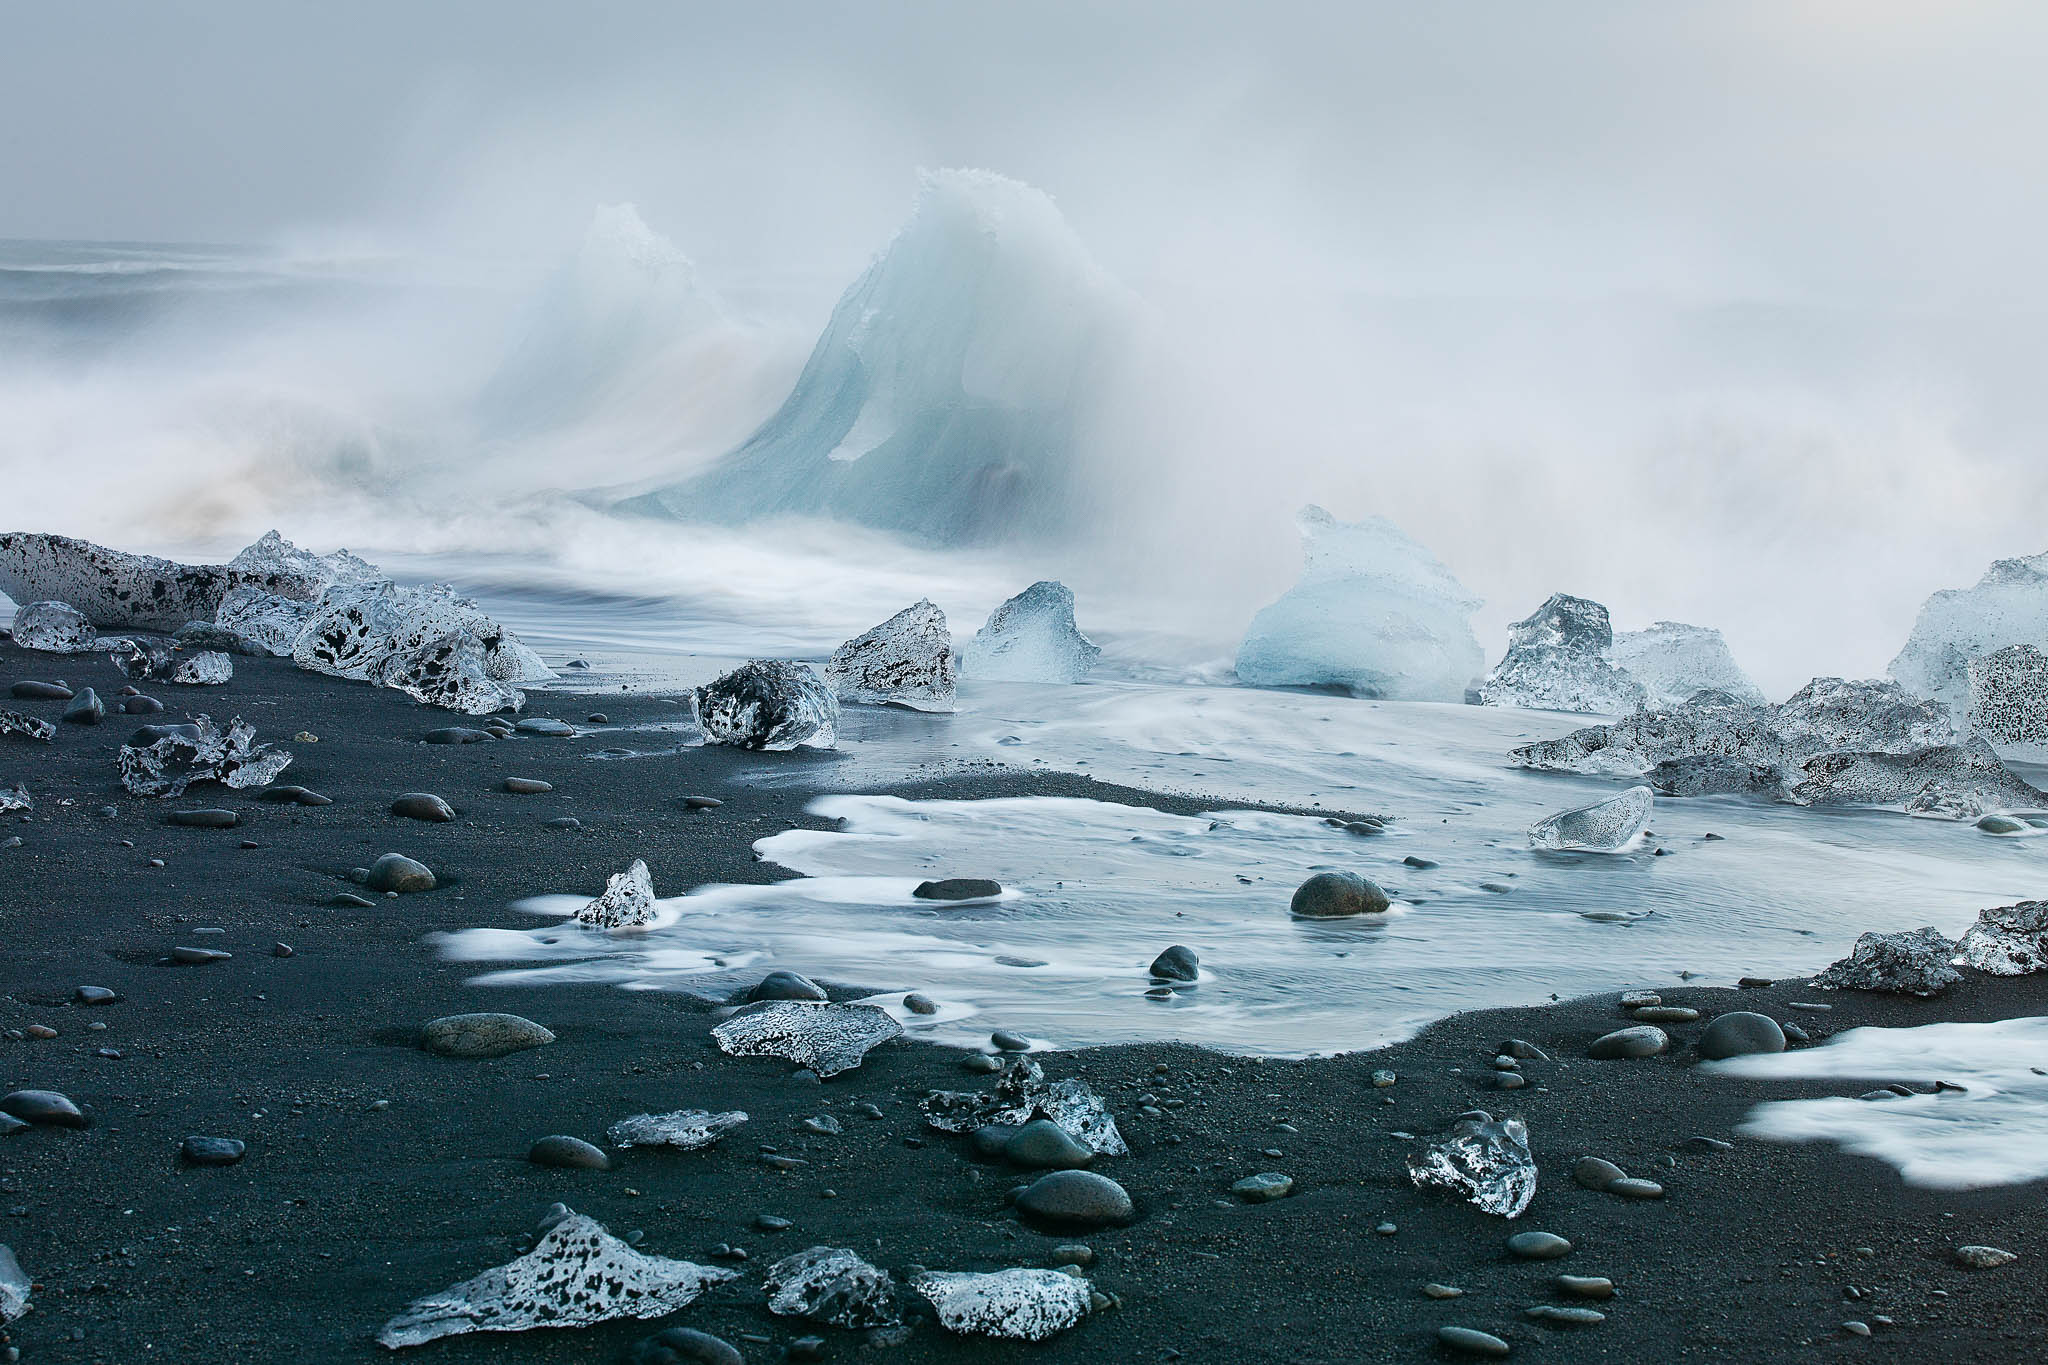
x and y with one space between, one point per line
376 1172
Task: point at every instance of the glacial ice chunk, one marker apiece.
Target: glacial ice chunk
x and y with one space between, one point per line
1556 661
686 1130
1912 962
276 566
25 727
1031 638
833 1286
272 621
1015 1305
1022 1094
1374 612
206 668
2008 606
769 704
1604 827
2011 940
905 661
826 1038
2008 702
54 628
452 672
14 1286
109 587
1874 715
200 753
1711 724
1952 782
576 1275
628 900
15 798
1486 1160
1672 661
358 623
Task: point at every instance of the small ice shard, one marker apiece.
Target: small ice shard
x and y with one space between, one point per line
14 1286
1031 638
2008 703
1954 782
833 1286
1912 962
1486 1160
1374 612
905 661
1604 827
54 628
142 660
451 672
769 704
200 752
2011 940
1022 1094
15 798
578 1274
686 1130
207 668
1556 661
628 900
1015 1305
25 727
271 621
826 1038
1672 661
2008 606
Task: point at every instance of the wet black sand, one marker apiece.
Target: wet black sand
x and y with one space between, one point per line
342 1213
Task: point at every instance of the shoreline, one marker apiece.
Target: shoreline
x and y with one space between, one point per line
341 1213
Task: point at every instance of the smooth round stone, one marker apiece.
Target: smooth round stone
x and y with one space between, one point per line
1667 1014
1079 1199
95 995
1177 963
10 1125
1596 1174
919 1003
1644 1040
1585 1286
1419 864
396 872
482 1035
297 796
1471 1341
1523 1051
992 1140
1337 895
546 725
981 1064
1434 1290
212 1151
1739 1033
1264 1187
40 691
562 822
1538 1246
1969 1257
456 734
786 986
958 889
1010 1042
701 803
204 819
423 806
281 950
139 705
86 709
1042 1145
199 957
1509 1080
683 1346
1635 1187
1567 1316
146 735
348 900
1635 1000
2001 824
45 1107
531 786
573 1153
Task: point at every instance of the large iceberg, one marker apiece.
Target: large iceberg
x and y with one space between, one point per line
1375 613
116 589
947 395
2008 606
1557 661
1031 638
1672 661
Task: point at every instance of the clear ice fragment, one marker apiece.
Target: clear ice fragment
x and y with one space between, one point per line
905 661
1015 1305
686 1130
1031 638
833 1286
1604 827
1487 1161
628 900
826 1038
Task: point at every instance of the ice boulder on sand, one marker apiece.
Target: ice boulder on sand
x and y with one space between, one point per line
452 672
1915 962
833 1286
171 758
905 661
2008 606
271 621
357 623
1374 613
1557 661
54 628
2011 940
2008 703
14 1286
1014 1305
1486 1160
1031 638
1949 782
1604 827
142 592
769 704
826 1038
627 902
1672 661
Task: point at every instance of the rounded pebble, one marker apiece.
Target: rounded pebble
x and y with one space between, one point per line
1080 1199
1644 1040
212 1151
571 1153
423 806
1472 1342
1337 895
482 1035
1739 1033
396 872
1538 1246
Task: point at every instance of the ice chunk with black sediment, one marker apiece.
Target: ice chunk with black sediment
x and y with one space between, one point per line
25 727
1912 962
1672 661
274 565
2008 701
1486 1160
826 1038
199 752
1014 1305
452 672
115 589
833 1286
627 902
1556 661
686 1130
2011 940
358 623
1031 638
54 628
1953 782
14 1286
905 661
576 1275
769 704
205 668
1603 827
1872 715
2008 606
15 798
1709 724
1022 1094
1374 612
270 620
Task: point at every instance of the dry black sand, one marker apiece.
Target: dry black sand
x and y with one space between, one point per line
342 1213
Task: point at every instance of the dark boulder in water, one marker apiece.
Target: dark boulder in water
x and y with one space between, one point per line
1337 895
